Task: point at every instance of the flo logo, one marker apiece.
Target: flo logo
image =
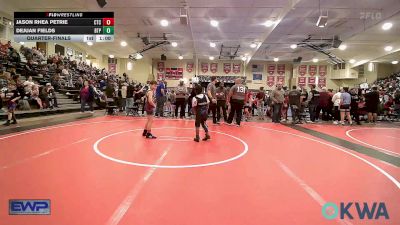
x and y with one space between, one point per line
363 210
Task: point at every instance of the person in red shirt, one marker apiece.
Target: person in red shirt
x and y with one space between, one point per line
87 96
324 104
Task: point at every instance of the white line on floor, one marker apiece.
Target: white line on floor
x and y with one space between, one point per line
310 191
130 198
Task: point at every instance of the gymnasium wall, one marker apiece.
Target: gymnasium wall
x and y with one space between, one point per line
396 68
385 69
141 69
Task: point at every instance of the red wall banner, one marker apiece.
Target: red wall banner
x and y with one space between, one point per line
190 67
204 67
227 68
173 73
322 70
302 70
236 68
270 80
311 80
213 67
160 66
271 69
281 69
301 81
112 68
312 70
281 79
322 82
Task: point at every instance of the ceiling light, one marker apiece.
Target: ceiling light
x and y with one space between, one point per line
315 60
180 57
174 44
293 46
395 62
342 47
388 48
269 23
123 43
322 21
139 56
86 55
111 56
276 59
89 43
253 45
244 58
211 58
352 61
214 23
387 26
164 23
212 45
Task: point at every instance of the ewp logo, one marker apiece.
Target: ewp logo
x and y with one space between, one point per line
29 207
376 211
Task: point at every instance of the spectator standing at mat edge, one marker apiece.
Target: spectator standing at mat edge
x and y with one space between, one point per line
237 95
130 90
124 90
211 91
324 104
355 99
161 98
181 93
260 99
336 104
345 102
313 103
277 99
295 104
221 102
371 103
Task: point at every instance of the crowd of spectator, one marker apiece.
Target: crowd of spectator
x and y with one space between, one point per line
52 73
44 76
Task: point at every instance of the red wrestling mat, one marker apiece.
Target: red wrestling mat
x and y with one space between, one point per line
102 171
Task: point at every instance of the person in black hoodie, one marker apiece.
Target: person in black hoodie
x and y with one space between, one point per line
355 99
371 103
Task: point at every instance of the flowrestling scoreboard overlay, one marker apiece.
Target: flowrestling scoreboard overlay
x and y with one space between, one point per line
64 26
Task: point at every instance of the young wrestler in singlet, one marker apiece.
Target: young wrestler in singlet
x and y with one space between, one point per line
150 105
200 104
